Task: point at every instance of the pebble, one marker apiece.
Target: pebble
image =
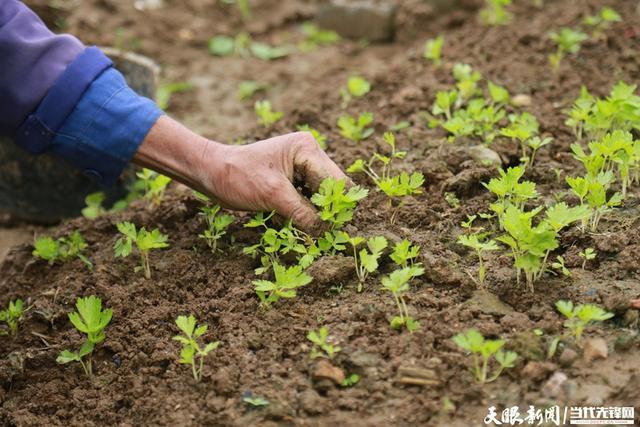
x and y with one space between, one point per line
537 371
324 370
567 357
364 359
553 386
595 348
485 156
311 402
521 100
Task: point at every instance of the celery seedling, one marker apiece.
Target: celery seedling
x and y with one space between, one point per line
433 50
494 13
587 255
91 320
481 350
404 253
144 241
593 190
600 22
12 316
356 87
479 245
356 129
581 316
560 265
63 249
315 37
217 224
190 347
287 280
266 115
366 261
321 345
94 205
568 41
155 185
336 204
248 88
398 284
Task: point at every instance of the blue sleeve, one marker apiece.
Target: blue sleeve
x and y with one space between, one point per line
105 128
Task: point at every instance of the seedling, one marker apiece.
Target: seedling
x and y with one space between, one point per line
560 266
336 204
62 250
398 284
478 243
467 81
190 347
315 37
287 281
350 381
404 253
510 191
321 345
481 351
587 255
568 41
433 50
248 88
494 13
593 191
581 316
535 144
522 128
266 115
452 200
600 22
94 205
356 129
226 46
254 401
144 240
384 173
166 90
12 316
320 138
366 261
154 184
357 87
91 320
217 224
267 52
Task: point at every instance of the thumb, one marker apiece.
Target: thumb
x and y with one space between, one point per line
290 204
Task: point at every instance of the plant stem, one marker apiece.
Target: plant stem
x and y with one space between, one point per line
395 296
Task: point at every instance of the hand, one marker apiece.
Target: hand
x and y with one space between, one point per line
635 303
254 177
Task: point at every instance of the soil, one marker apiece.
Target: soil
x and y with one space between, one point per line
138 378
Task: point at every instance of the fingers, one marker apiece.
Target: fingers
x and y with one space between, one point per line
312 165
290 204
635 303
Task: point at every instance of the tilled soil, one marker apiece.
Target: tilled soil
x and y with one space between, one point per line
138 378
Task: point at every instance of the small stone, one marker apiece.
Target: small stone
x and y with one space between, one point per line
553 386
324 370
595 348
364 359
485 156
567 357
359 19
521 100
487 303
311 402
537 371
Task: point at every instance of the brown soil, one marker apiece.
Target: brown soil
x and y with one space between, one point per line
139 380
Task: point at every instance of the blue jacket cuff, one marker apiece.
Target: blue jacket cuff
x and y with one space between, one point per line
105 128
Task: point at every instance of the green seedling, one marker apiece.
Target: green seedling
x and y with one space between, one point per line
12 316
498 94
366 260
248 88
93 204
267 52
255 401
581 316
217 224
452 200
568 41
266 115
494 13
580 112
482 350
144 240
587 255
478 243
356 87
510 191
286 281
522 128
384 173
154 185
560 266
404 253
319 137
227 46
190 347
398 284
445 103
592 191
91 320
350 381
321 345
467 81
535 144
356 129
315 37
433 50
166 90
337 204
62 250
601 22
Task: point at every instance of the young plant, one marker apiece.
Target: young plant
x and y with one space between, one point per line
535 144
560 266
315 37
384 173
494 13
62 250
510 191
190 347
321 345
248 88
91 320
286 281
12 316
166 90
481 351
478 243
587 255
217 224
357 87
568 41
93 204
144 240
601 22
266 115
319 137
154 185
366 261
433 50
398 284
522 128
404 253
593 191
356 129
337 205
581 316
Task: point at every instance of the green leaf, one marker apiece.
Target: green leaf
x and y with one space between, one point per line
66 357
186 324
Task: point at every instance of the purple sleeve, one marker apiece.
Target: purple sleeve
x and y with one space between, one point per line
32 58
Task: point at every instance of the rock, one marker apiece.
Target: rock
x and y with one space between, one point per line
324 370
537 371
468 181
487 303
364 359
595 348
311 402
485 156
521 100
567 357
553 386
359 19
331 270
